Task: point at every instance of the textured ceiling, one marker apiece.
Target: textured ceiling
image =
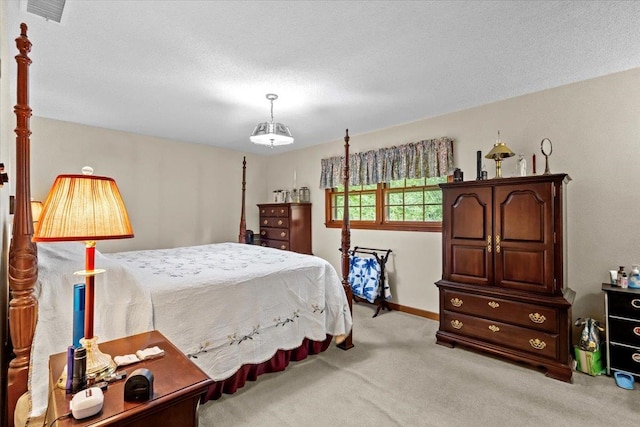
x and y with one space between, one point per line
198 71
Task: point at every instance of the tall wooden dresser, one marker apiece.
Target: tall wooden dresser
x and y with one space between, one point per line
286 226
503 289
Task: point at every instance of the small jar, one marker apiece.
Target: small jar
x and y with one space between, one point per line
305 195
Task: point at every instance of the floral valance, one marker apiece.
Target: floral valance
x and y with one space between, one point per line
421 159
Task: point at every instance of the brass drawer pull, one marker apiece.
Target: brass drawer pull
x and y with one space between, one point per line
456 302
494 328
635 357
456 324
284 233
537 317
493 304
262 211
635 303
265 222
283 247
263 233
537 344
279 222
497 243
281 211
273 211
489 244
636 330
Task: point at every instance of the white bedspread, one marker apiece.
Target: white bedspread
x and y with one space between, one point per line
231 304
227 304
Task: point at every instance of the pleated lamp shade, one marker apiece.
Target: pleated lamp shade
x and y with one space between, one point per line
83 208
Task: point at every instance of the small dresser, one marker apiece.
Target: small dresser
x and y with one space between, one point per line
286 226
622 307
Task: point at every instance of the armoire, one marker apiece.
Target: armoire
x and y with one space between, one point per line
503 289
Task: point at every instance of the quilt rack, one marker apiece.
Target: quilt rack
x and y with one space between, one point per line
380 300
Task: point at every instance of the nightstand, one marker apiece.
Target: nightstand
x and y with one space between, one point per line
177 388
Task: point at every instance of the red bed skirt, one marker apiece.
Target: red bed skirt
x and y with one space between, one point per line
277 363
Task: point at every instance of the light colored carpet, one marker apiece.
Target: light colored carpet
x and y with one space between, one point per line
396 375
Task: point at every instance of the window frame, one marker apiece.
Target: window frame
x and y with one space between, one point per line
378 223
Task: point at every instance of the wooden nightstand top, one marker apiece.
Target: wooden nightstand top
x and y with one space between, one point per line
176 380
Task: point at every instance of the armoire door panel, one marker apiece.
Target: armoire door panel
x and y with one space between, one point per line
524 212
469 216
524 270
469 264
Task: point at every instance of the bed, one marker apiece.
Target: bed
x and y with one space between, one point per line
306 296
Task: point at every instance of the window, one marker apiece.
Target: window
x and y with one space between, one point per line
405 204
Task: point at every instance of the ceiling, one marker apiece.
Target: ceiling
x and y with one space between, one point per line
198 71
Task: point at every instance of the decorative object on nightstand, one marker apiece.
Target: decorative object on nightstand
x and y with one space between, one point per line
499 152
85 208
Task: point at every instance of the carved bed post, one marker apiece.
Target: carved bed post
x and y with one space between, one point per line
242 237
23 271
346 242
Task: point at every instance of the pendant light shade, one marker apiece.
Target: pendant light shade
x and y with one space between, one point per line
271 133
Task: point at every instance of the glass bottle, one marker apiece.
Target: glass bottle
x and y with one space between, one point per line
620 272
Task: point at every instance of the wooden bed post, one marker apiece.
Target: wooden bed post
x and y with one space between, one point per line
23 271
242 237
346 242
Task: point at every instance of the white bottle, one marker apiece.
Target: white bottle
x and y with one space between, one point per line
634 277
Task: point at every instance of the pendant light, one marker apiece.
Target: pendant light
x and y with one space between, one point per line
270 133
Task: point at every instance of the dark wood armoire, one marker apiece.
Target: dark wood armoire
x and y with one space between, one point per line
503 289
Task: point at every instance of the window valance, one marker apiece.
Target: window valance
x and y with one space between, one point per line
423 159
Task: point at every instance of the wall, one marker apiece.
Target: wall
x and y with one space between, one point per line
595 130
177 194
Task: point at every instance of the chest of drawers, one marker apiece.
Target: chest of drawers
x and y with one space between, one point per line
286 226
623 329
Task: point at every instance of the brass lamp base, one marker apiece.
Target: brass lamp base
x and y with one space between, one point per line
98 363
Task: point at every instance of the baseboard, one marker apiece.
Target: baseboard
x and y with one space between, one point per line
415 311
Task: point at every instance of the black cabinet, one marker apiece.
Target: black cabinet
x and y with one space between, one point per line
622 307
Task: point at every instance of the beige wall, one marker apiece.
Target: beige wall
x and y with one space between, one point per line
595 130
177 194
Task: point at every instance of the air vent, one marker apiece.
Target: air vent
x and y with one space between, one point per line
49 9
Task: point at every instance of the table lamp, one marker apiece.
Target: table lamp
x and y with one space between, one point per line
85 208
498 152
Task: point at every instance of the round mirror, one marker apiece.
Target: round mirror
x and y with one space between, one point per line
546 147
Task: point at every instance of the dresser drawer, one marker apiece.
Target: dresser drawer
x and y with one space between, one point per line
624 358
274 233
503 334
274 222
280 211
624 305
624 331
278 244
527 315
